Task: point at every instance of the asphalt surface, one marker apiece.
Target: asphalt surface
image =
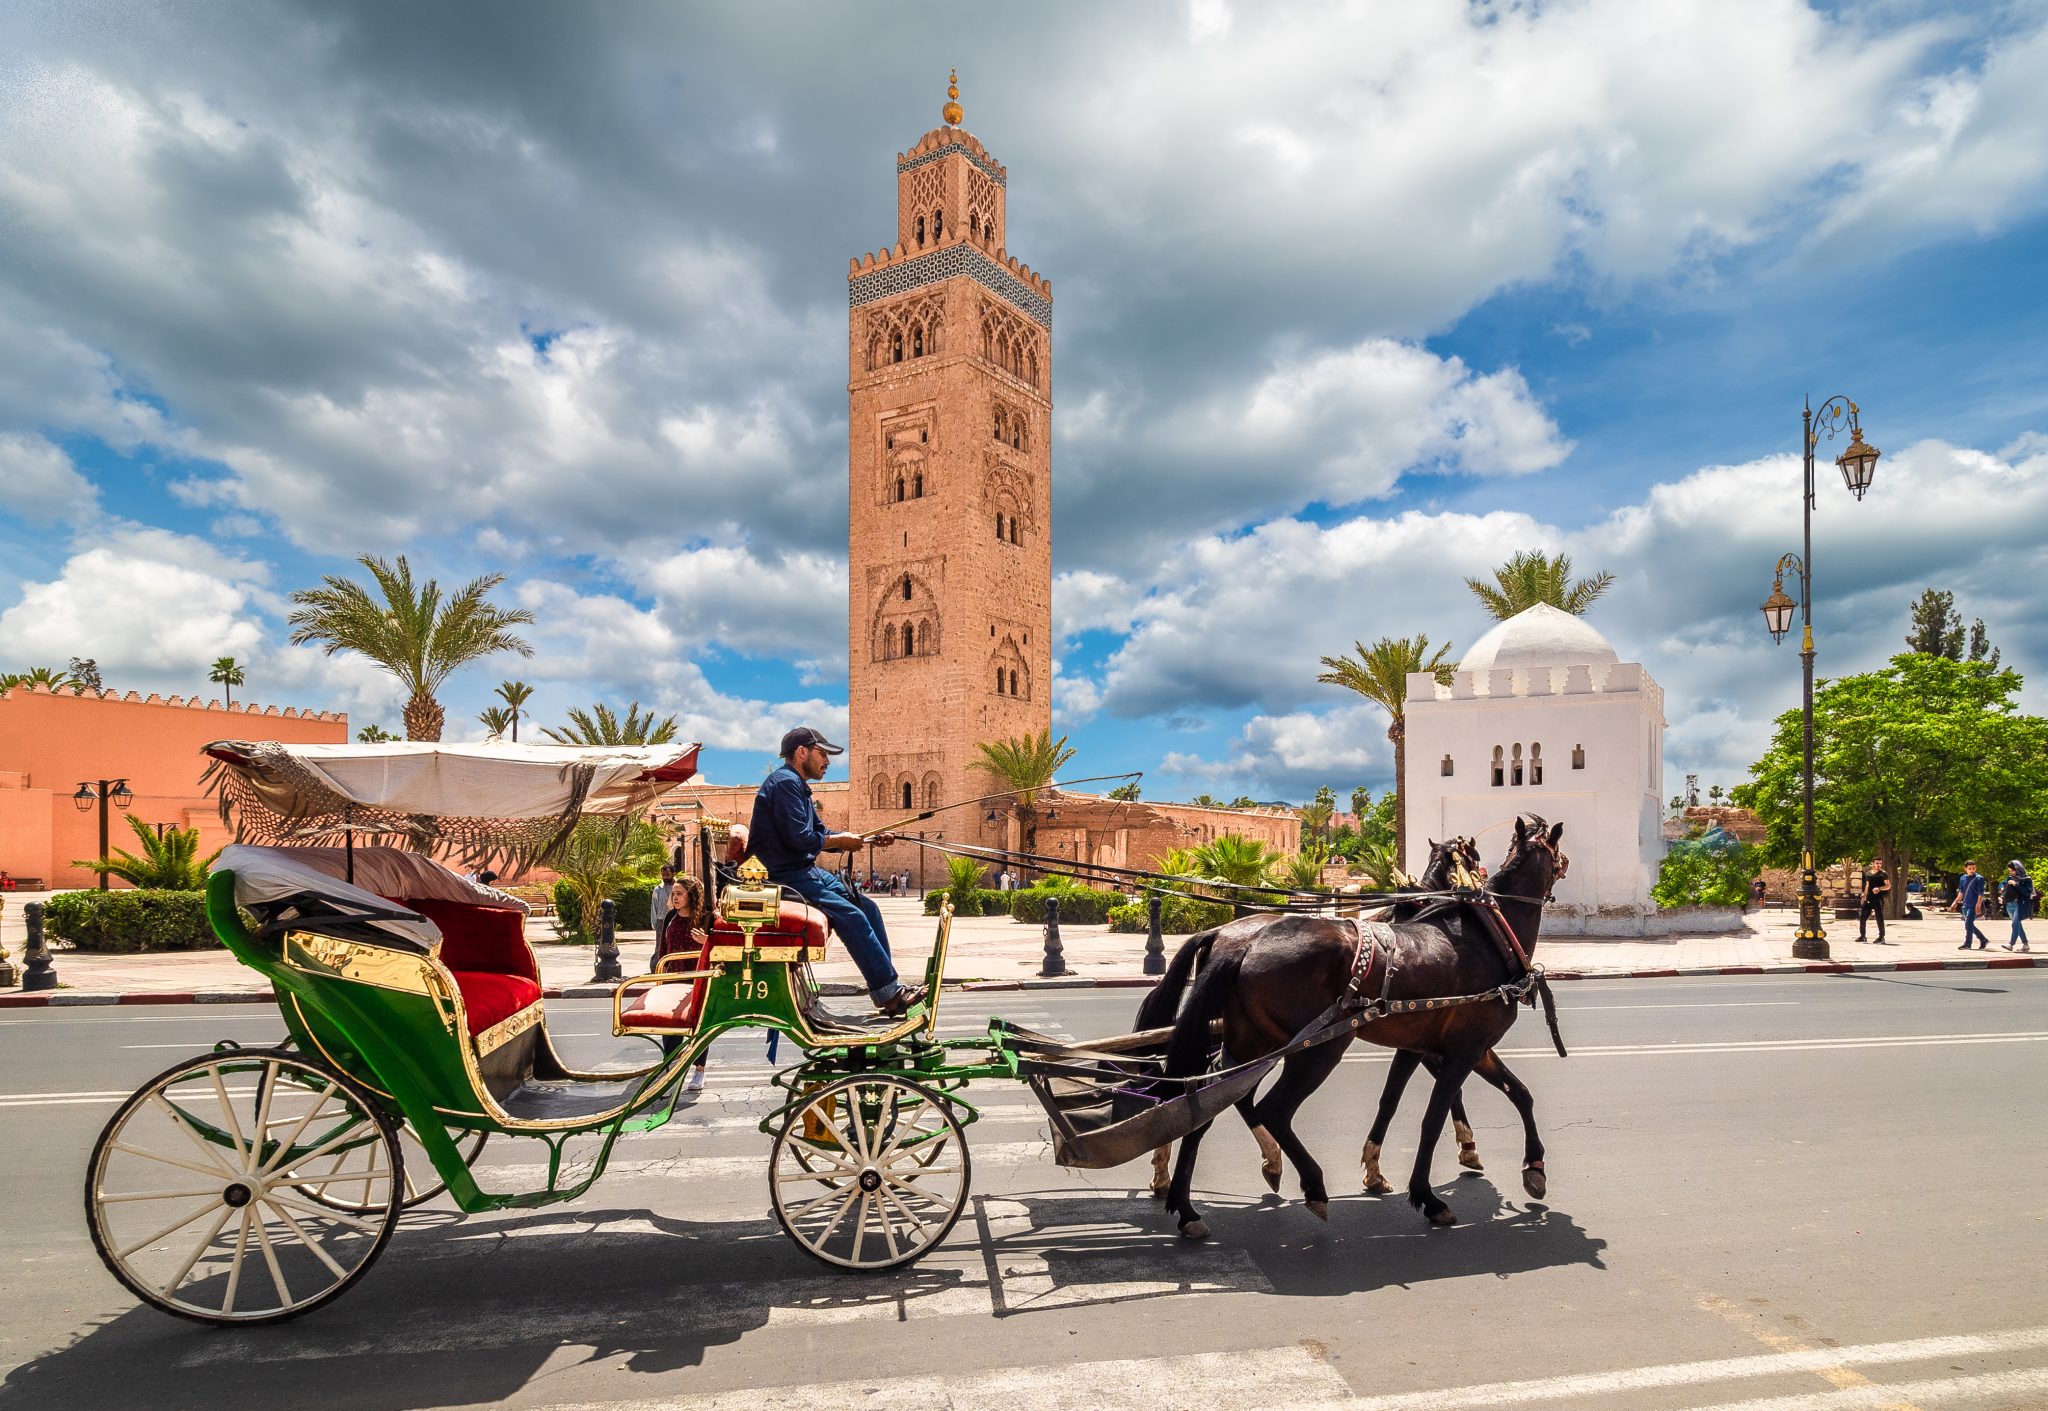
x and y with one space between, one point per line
1765 1192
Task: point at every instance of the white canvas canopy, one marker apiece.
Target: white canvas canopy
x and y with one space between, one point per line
486 801
267 877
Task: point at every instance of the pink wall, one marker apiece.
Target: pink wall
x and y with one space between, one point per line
51 741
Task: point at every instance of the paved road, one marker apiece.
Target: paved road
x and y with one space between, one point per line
1793 1193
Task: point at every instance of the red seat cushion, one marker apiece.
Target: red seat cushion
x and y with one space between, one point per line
797 922
663 1007
489 998
479 938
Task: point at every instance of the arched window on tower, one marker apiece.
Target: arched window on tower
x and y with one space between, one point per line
1017 434
1535 764
881 792
906 587
910 645
896 348
899 489
1500 775
931 793
917 341
999 526
1016 538
938 226
1013 680
920 232
974 222
999 680
998 433
924 636
1515 772
917 486
907 804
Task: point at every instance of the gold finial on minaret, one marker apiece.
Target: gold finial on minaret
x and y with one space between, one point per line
952 112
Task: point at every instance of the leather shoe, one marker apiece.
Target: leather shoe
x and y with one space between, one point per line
901 1002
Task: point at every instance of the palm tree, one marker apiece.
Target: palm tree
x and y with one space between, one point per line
1315 817
1304 871
1024 765
414 633
44 676
600 726
1361 800
1204 801
496 719
171 862
375 735
1232 857
226 675
1533 577
1380 674
515 695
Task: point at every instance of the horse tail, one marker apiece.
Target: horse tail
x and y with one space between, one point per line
1550 1013
1158 1009
1187 1052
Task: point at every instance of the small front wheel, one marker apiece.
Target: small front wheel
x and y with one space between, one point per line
869 1172
201 1192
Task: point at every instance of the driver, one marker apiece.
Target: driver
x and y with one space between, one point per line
787 836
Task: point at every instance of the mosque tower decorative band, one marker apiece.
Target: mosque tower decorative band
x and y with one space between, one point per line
949 430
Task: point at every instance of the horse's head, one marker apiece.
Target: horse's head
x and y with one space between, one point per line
1447 860
1534 862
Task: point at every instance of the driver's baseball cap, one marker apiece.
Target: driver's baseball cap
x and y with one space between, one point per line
805 735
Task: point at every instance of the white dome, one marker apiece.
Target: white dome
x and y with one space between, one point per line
1539 636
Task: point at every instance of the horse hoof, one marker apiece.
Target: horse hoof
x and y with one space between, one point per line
1320 1209
1195 1230
1378 1185
1469 1159
1445 1216
1535 1182
1272 1177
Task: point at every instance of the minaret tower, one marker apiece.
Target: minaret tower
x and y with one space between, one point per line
949 439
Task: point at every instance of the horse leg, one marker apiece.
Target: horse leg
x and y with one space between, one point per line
1269 1150
1497 1073
1178 1199
1398 1073
1449 1076
1301 1074
1468 1147
1162 1177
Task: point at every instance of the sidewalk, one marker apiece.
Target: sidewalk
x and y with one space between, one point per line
998 953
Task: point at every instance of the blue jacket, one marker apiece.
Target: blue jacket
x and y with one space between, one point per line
1968 890
786 832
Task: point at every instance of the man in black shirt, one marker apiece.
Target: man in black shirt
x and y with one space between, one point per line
1877 886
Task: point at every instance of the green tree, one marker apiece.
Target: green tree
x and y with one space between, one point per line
1126 793
85 674
1715 794
1316 816
1232 857
1361 799
1937 631
598 857
410 629
47 677
227 675
515 695
1244 801
601 726
1380 674
496 719
1024 764
1705 872
1533 577
1204 801
1304 871
169 863
375 735
1927 761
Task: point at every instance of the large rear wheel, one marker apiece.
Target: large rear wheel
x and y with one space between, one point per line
199 1194
870 1172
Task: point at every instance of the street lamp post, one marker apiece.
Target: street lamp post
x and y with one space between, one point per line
103 790
1858 465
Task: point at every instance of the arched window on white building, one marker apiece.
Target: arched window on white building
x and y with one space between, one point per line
1535 764
1500 774
1516 771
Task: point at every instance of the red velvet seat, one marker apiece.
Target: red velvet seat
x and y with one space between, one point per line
490 999
797 923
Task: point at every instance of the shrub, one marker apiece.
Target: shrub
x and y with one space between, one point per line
980 901
1706 871
131 921
632 900
1179 916
1079 906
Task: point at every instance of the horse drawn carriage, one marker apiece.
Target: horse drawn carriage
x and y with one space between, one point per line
248 1185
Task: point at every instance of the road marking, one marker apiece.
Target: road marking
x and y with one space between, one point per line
1692 1374
1697 1004
1783 1045
1837 1376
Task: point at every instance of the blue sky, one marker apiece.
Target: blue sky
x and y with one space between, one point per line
1353 301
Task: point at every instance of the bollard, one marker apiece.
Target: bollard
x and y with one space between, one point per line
10 974
608 969
41 971
1055 954
1155 939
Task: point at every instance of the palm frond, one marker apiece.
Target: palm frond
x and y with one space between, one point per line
601 725
1531 577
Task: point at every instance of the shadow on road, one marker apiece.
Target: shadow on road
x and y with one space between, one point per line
471 1312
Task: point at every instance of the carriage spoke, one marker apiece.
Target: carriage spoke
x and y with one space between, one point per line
172 1228
212 1170
186 1125
888 1228
844 1206
209 1193
917 1220
860 1225
284 1290
284 1148
314 1245
348 1135
197 1250
354 1222
228 1110
860 1125
799 1212
227 1302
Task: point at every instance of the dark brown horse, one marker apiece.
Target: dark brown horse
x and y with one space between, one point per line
1267 978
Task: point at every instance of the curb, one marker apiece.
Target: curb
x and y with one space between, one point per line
56 999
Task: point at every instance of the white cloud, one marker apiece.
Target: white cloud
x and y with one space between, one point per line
1290 756
42 484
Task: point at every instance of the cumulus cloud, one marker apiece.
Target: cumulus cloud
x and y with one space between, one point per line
43 485
1290 756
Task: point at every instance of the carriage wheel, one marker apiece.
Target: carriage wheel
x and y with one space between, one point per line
422 1181
870 1173
197 1200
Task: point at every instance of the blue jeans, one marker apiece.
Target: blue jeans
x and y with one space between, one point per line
858 922
1970 929
2019 931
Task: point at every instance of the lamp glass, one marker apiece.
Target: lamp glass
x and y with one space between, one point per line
1778 609
123 795
1858 465
83 799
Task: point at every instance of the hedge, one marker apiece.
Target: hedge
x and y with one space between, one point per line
632 901
131 920
1178 916
982 901
1079 906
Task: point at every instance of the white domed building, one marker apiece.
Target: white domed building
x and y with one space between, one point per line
1543 716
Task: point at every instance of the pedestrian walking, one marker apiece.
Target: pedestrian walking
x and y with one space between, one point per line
2017 892
1969 899
1877 887
1756 894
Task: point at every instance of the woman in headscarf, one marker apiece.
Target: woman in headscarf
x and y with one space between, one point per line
2017 892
